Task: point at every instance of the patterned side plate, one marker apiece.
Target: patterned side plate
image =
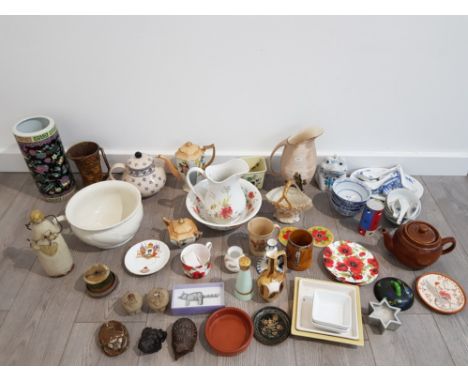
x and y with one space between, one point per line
322 236
147 257
441 293
350 263
284 233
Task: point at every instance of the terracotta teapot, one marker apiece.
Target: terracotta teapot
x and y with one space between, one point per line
417 244
143 171
299 158
271 281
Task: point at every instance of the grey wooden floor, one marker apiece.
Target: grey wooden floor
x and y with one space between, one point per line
45 321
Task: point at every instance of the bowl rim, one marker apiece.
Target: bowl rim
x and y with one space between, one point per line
103 184
227 225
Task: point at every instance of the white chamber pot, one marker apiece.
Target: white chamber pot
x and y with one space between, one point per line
105 214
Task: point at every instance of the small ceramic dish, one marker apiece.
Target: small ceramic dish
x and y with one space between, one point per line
147 257
441 293
271 325
283 235
229 331
332 310
257 170
302 311
396 291
289 202
322 236
349 196
402 202
383 315
252 195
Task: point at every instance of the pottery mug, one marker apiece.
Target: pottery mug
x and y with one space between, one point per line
232 257
260 230
299 250
195 260
87 159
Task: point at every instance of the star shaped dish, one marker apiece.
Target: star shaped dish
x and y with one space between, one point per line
383 315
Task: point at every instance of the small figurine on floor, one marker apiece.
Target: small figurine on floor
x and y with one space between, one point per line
51 248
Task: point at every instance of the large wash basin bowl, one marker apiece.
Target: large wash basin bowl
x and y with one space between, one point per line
105 214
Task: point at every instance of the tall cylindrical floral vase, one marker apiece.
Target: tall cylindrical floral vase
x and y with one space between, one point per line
42 149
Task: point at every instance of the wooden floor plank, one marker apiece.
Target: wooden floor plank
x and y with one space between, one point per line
3 314
451 195
417 342
10 185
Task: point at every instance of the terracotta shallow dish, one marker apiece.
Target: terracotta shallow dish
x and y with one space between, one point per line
229 331
441 293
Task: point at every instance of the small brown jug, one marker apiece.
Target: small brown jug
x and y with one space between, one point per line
87 159
417 244
271 281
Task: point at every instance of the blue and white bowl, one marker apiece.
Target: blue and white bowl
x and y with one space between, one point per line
349 196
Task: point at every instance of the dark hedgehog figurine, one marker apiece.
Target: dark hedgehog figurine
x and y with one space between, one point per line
184 337
151 340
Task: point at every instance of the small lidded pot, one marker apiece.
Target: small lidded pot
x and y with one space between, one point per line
182 231
417 244
191 155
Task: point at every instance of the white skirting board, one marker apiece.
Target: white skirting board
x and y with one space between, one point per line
440 163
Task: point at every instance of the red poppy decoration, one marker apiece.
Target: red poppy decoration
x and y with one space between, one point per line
328 263
322 236
345 249
226 212
350 262
251 195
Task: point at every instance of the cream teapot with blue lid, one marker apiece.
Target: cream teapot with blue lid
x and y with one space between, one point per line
145 172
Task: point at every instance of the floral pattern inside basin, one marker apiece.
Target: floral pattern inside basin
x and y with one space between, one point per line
350 262
441 293
322 236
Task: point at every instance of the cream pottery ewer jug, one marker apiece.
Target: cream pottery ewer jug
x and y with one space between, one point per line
221 193
299 158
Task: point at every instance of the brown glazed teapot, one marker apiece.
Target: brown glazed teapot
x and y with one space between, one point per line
417 244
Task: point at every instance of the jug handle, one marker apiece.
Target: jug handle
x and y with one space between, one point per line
62 219
282 143
284 197
447 240
213 154
114 167
198 170
171 167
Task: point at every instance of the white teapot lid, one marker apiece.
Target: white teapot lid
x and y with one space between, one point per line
140 161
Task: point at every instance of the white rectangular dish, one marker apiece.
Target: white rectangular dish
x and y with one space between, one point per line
332 309
307 288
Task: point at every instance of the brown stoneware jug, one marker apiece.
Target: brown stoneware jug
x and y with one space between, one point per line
417 244
271 281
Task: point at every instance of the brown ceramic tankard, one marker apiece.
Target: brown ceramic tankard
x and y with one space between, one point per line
299 250
260 230
87 159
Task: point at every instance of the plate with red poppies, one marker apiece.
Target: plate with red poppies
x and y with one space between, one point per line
322 236
350 262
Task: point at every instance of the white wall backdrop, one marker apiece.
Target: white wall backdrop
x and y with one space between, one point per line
383 88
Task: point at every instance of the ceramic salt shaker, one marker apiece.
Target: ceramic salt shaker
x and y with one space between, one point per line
51 248
331 169
244 285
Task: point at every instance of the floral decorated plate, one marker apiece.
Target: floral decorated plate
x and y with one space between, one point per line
322 236
147 257
441 293
252 195
350 262
283 235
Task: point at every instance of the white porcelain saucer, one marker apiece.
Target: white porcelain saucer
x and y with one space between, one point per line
147 257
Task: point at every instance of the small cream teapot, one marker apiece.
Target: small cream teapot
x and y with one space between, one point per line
191 155
143 171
